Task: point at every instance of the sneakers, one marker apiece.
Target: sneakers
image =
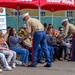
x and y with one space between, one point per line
18 62
25 65
8 68
0 70
31 66
47 65
13 65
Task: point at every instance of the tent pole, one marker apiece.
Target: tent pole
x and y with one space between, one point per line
17 17
39 10
52 18
52 10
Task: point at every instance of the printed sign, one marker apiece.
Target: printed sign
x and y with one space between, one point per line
2 18
2 11
62 1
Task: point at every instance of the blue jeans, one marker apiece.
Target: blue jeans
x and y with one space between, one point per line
39 38
24 53
73 50
40 54
50 49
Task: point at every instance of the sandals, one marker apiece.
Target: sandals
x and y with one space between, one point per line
24 64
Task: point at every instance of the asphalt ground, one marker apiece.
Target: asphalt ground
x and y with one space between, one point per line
58 68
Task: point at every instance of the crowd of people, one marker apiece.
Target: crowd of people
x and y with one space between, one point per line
36 42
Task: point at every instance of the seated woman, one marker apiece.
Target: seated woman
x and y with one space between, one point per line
13 41
11 55
5 64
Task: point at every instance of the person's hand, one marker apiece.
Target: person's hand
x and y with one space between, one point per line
6 49
23 37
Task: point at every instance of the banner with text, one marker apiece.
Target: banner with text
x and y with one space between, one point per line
2 18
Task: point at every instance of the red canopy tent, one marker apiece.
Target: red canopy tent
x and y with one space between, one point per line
55 5
21 3
52 5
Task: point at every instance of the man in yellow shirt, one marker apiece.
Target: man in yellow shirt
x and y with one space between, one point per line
69 29
35 28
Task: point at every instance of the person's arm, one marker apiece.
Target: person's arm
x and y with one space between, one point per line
67 35
50 40
2 48
6 45
66 31
15 40
28 29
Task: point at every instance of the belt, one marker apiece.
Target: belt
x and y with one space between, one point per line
39 30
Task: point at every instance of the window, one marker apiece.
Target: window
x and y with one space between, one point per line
69 13
43 13
16 12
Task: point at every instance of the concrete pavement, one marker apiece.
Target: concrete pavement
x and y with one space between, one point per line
58 68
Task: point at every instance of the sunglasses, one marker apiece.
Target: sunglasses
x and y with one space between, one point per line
61 30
